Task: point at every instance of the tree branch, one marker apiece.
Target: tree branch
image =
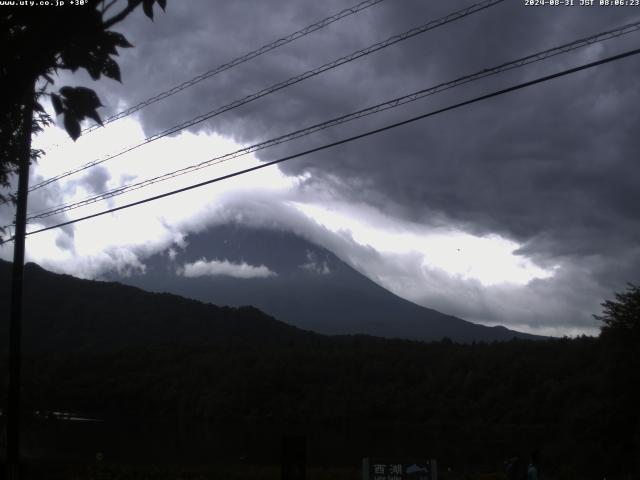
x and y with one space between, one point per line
122 15
108 6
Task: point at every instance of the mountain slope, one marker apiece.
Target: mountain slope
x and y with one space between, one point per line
311 288
62 312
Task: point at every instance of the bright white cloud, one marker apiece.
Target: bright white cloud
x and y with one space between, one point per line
491 260
203 268
123 239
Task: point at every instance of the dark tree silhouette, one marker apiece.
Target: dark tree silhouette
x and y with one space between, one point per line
622 315
39 41
620 336
36 41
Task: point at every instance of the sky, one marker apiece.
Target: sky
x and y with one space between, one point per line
519 211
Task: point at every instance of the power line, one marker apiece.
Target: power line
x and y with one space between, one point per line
396 102
346 140
237 61
279 86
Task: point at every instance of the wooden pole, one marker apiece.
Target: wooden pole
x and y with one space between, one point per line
15 320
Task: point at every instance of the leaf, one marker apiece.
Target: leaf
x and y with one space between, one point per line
57 104
94 68
163 4
70 59
147 6
111 69
107 46
66 91
95 117
37 154
84 95
118 39
71 125
81 102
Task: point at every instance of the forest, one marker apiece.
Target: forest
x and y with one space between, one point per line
468 405
183 366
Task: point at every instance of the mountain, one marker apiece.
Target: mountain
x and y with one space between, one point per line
64 313
303 285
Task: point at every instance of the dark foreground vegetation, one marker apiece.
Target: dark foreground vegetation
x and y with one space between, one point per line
467 405
187 390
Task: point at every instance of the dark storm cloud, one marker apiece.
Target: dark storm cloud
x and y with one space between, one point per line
553 167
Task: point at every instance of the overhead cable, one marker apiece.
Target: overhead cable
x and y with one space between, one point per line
396 102
237 61
457 15
345 140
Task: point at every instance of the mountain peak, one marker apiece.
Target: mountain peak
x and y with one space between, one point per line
310 288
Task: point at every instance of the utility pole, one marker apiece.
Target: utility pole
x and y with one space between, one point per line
15 320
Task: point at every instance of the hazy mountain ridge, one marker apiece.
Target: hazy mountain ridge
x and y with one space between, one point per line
62 312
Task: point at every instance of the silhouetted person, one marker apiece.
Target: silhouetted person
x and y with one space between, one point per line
533 472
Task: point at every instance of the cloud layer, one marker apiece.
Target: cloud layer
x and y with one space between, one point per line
551 167
203 268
